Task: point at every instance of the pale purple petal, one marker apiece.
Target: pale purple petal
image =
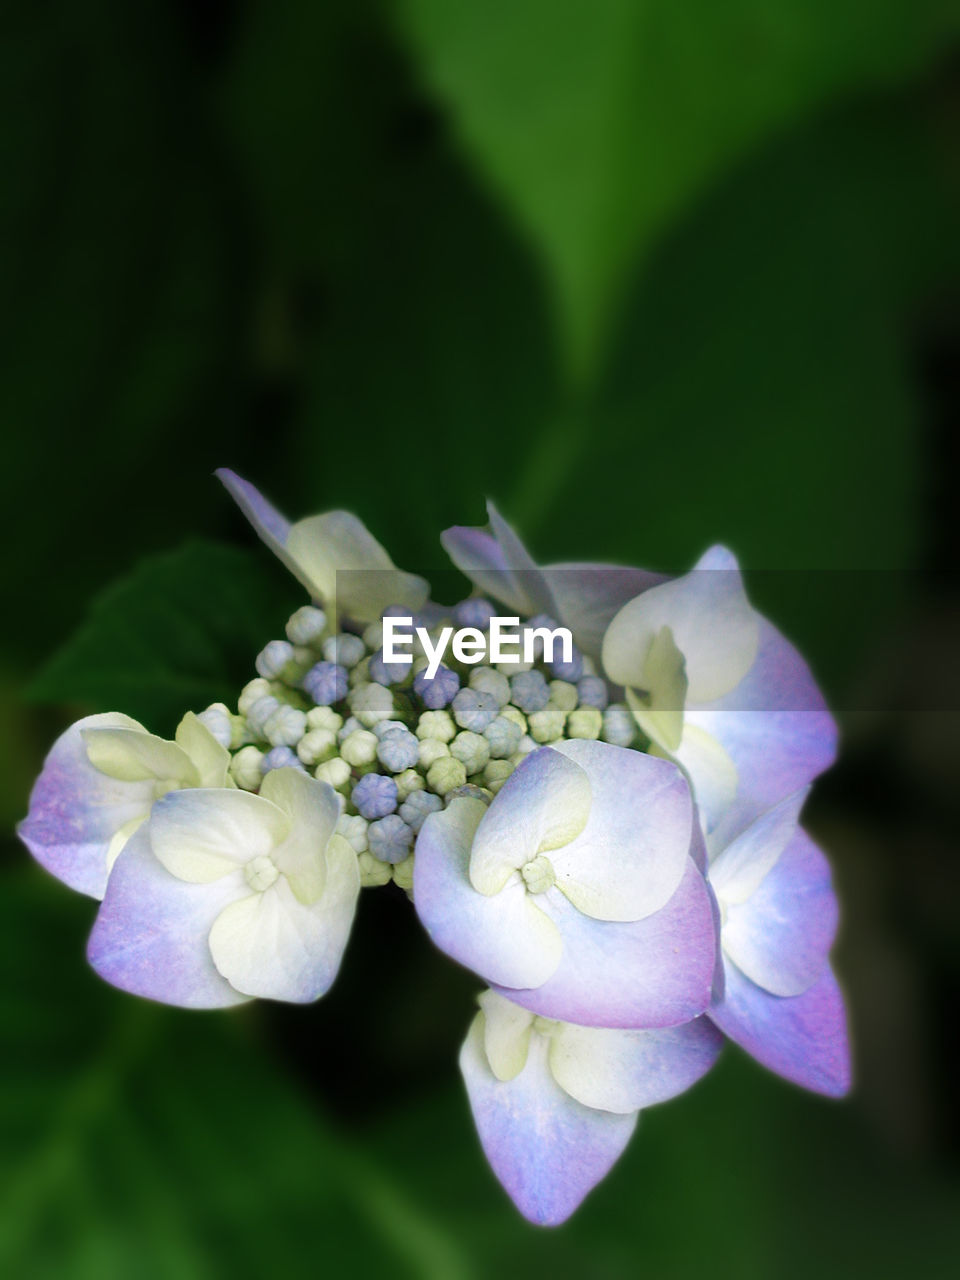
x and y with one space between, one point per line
656 972
75 810
480 556
547 1149
781 936
625 1071
269 525
802 1038
588 596
775 727
150 935
505 937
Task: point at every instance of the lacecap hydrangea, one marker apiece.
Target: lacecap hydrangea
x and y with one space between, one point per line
604 829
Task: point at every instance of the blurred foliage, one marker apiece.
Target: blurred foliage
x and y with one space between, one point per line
181 631
652 276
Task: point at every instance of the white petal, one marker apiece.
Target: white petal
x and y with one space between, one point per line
210 759
133 755
713 775
544 804
348 568
270 945
203 834
631 855
625 1071
313 808
712 623
506 1034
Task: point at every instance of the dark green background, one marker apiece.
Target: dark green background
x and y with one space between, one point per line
650 274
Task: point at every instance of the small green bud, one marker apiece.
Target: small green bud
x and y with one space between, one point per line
407 782
563 695
446 774
335 771
373 872
324 718
547 725
245 768
472 749
359 748
317 745
437 725
431 750
585 722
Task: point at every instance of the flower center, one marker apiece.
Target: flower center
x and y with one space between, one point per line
261 872
538 874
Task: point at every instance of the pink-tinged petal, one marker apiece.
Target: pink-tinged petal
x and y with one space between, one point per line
802 1038
774 726
625 1071
75 810
506 937
547 1149
629 859
656 972
588 597
150 935
781 936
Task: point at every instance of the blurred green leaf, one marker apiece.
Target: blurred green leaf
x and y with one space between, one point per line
598 123
762 390
180 632
149 1142
397 292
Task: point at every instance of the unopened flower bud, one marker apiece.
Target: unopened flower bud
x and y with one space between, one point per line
390 838
436 724
547 725
619 726
488 680
335 771
317 745
418 806
285 727
431 750
371 703
353 828
374 796
359 748
245 768
585 722
252 692
344 649
446 774
272 659
306 626
472 749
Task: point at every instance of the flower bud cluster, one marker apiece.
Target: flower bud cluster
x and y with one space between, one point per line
394 742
